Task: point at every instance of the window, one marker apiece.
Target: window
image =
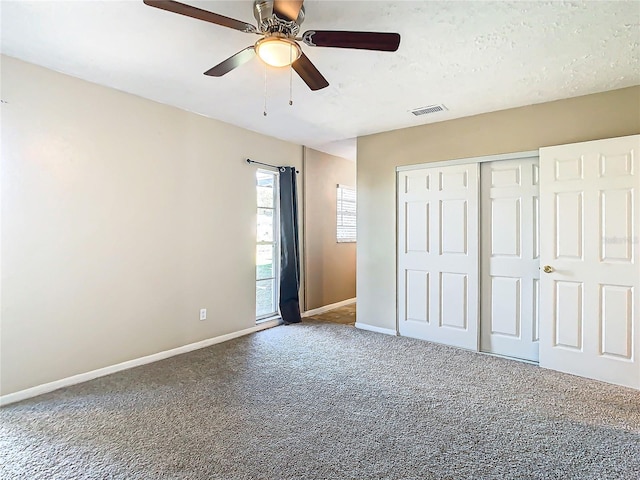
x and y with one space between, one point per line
346 207
267 245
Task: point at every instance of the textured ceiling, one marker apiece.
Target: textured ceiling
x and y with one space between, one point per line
471 56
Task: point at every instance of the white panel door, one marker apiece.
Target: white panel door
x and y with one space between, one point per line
510 258
438 255
589 295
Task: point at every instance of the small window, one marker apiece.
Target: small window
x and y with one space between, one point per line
346 207
267 245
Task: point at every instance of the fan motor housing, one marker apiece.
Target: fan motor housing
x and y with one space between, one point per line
269 22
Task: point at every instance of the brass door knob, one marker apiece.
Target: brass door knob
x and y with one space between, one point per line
547 269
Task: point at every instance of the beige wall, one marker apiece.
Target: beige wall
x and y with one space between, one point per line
121 218
330 266
591 117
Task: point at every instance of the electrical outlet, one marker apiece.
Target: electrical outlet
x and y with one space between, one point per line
203 314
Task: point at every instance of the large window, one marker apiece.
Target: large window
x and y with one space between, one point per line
346 221
268 246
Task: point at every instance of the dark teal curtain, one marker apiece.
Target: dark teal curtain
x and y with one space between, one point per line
289 247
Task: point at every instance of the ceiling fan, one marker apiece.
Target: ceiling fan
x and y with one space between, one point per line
278 25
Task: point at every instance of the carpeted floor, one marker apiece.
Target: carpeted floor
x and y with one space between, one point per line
345 315
326 401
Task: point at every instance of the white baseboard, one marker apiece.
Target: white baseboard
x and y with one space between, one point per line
371 328
326 308
101 372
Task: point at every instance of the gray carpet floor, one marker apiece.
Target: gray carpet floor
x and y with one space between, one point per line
326 401
345 315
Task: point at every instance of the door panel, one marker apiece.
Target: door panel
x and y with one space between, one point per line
438 266
568 315
510 265
505 306
417 215
505 241
417 296
616 212
453 231
616 325
589 298
569 230
453 300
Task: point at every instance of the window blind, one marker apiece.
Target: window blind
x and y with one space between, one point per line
346 209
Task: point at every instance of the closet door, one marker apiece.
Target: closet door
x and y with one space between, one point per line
510 258
589 302
438 254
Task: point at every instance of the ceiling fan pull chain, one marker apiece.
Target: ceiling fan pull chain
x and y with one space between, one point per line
264 111
290 77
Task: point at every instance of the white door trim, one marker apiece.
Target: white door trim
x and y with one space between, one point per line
461 161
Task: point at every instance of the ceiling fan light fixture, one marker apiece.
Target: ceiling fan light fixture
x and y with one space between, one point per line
277 51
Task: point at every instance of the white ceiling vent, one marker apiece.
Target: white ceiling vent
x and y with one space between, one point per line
429 109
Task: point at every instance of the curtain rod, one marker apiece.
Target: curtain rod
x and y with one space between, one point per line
267 165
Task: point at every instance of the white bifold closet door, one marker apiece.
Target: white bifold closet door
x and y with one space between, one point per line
590 288
510 258
438 254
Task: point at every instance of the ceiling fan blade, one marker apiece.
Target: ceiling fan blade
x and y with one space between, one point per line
309 73
193 12
289 9
386 42
234 61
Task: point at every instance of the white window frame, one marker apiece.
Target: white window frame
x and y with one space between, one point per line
276 247
344 238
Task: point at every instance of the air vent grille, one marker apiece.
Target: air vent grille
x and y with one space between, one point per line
429 109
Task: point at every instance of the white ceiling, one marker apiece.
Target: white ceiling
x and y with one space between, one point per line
471 56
